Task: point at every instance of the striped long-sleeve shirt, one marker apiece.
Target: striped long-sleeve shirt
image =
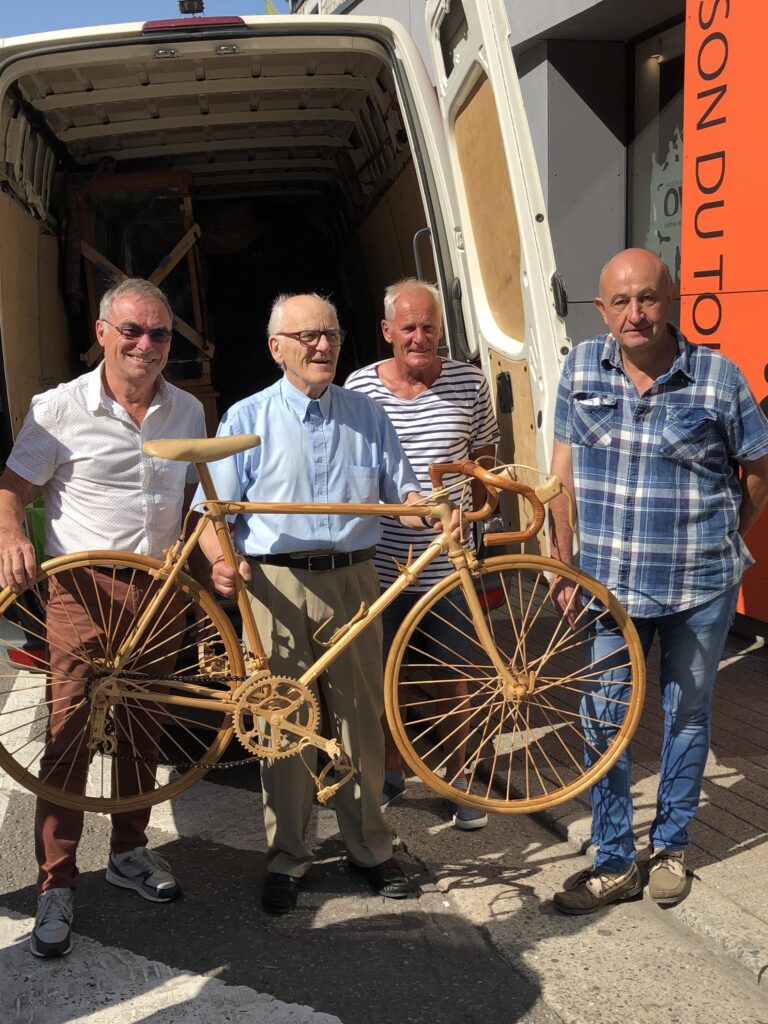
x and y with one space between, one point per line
446 423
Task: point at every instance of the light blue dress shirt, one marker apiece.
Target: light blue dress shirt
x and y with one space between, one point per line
338 448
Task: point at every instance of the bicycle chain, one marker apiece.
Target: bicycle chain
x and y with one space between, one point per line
159 762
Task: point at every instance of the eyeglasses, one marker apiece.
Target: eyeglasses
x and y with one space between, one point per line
333 335
132 332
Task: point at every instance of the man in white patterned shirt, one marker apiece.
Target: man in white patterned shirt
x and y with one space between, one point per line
81 444
442 412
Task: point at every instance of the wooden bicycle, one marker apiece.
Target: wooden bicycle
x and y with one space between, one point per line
509 688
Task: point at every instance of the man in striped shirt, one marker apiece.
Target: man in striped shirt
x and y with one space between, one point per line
442 412
667 452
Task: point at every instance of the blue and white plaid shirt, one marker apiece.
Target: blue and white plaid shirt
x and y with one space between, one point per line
656 475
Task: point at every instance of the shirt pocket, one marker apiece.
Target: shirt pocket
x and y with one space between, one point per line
593 418
361 484
168 477
688 433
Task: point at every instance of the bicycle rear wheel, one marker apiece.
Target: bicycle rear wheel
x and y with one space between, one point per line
542 732
58 646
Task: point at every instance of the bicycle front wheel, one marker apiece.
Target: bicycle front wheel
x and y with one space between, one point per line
540 722
82 734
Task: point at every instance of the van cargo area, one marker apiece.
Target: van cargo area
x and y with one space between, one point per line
228 167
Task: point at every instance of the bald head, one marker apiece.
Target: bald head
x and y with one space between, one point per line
636 260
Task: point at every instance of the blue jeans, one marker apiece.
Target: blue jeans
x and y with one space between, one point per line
691 643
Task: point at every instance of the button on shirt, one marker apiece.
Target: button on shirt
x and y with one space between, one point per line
338 448
101 491
656 475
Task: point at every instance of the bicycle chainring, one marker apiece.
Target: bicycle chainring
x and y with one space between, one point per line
265 711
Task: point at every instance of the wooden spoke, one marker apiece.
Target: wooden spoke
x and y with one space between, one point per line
513 720
75 731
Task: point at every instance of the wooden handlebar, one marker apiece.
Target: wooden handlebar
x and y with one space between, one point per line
493 483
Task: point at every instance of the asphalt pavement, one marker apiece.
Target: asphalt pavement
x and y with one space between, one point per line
482 943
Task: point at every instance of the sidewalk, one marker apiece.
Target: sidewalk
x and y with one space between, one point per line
727 906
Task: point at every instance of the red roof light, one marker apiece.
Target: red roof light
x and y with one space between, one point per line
171 24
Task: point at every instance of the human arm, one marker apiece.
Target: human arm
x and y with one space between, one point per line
417 522
221 572
754 492
560 526
18 564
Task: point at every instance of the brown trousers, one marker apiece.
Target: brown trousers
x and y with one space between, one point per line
79 602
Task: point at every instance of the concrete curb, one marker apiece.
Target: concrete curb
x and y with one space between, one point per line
723 925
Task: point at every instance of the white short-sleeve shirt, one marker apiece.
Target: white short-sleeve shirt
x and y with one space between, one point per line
100 490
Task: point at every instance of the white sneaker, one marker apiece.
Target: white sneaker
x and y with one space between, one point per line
52 933
466 819
144 871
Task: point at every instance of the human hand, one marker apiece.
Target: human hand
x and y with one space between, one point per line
18 564
563 595
223 575
460 525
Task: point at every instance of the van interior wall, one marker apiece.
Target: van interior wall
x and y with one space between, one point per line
257 248
36 348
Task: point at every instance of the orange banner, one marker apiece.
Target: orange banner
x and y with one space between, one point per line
724 270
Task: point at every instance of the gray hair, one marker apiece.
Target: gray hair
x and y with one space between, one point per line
275 314
393 293
132 286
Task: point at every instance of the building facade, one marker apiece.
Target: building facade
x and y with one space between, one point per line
602 82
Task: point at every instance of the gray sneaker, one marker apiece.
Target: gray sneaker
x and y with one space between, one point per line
466 818
52 933
144 871
667 880
587 891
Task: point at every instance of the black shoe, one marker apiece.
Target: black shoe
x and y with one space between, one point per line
386 879
279 893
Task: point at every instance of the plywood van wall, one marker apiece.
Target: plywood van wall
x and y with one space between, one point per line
385 241
518 443
480 148
33 323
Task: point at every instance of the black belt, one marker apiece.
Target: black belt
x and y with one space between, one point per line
117 573
317 563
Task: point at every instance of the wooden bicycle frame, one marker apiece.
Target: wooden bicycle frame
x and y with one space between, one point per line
215 511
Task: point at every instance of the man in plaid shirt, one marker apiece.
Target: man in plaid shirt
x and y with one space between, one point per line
666 451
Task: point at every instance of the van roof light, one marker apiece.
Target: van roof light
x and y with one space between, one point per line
193 24
191 6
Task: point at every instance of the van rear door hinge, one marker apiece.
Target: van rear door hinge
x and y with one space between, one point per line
459 239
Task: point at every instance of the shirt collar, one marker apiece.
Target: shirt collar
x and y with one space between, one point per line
611 355
97 397
299 402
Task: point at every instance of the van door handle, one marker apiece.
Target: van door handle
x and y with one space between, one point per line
416 255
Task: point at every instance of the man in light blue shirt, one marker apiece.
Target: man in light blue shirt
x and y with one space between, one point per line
320 443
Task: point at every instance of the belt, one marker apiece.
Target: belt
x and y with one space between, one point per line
316 563
118 574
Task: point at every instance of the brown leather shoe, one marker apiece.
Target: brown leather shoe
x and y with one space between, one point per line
588 891
386 879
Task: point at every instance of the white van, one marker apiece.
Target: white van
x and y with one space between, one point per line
233 158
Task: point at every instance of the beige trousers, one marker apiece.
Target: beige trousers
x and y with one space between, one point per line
289 606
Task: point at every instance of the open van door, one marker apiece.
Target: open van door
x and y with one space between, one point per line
506 262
